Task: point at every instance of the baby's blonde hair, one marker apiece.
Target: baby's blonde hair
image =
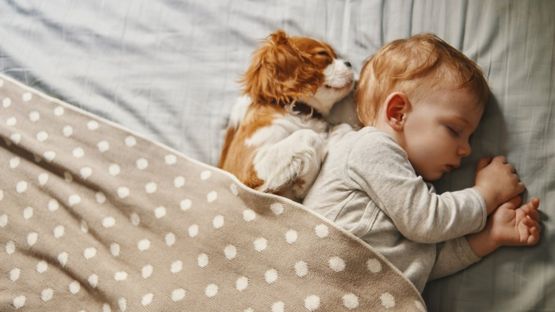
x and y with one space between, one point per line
413 66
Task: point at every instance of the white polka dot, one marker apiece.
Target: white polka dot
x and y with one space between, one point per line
260 244
100 197
211 196
218 222
185 204
122 304
6 102
67 131
291 236
277 208
211 290
21 187
170 239
350 301
120 276
249 215
84 227
178 294
135 219
114 169
205 175
14 274
103 146
202 260
160 212
147 299
12 121
34 116
130 141
278 306
108 222
62 258
28 213
373 265
78 152
419 306
142 163
271 276
92 125
337 264
59 231
43 179
170 159
16 138
123 192
143 244
230 252
301 269
151 187
242 283
85 172
74 200
46 294
321 230
74 287
193 230
49 155
3 220
106 308
147 270
14 162
42 136
53 205
19 301
312 302
179 181
27 96
42 266
388 301
89 253
93 280
10 247
234 190
176 266
32 238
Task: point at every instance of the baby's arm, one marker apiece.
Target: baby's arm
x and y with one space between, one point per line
497 182
508 226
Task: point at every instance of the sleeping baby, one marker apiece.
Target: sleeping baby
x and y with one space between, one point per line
420 100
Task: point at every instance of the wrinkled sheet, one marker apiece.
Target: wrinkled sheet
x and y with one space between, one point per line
169 70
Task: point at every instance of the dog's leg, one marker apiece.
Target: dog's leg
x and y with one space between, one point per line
292 163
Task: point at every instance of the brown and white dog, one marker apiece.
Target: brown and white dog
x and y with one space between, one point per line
276 137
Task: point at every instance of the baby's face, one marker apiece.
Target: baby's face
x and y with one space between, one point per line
437 131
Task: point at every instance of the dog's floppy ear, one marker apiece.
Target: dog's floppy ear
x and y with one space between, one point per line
279 73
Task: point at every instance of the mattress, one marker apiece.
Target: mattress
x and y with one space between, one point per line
169 70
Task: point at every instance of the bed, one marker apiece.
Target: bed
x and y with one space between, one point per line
166 73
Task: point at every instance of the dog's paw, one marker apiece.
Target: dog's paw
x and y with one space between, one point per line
294 161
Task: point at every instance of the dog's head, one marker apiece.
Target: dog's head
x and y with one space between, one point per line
290 69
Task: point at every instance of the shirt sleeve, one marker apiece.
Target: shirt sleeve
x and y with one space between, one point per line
378 166
453 256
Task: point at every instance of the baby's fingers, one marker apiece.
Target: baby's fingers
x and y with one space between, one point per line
532 234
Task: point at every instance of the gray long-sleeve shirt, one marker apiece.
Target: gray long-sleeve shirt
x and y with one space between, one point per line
368 187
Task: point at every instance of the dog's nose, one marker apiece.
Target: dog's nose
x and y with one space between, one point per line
348 64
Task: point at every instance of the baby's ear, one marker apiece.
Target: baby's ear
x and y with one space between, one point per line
397 107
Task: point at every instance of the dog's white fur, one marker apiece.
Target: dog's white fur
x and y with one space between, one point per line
289 150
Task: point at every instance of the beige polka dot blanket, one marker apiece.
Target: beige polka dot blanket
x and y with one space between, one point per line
96 218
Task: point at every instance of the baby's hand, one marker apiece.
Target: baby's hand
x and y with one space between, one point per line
512 226
497 181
